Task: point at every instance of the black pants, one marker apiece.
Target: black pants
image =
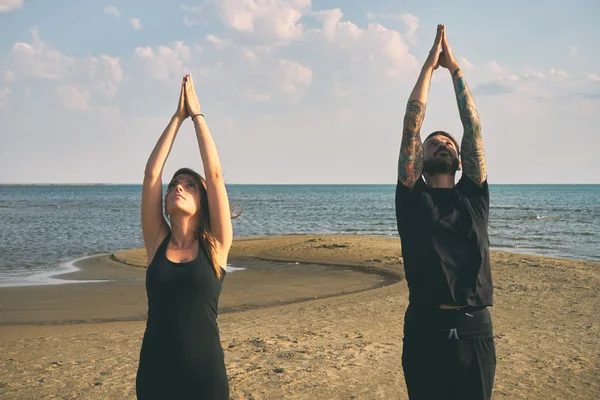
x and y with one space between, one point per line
449 354
167 387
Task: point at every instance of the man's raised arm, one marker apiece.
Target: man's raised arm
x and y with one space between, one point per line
472 152
410 161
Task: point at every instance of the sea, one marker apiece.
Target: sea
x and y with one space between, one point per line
45 229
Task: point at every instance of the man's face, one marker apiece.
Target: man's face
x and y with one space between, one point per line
440 156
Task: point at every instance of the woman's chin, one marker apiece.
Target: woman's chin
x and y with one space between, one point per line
181 213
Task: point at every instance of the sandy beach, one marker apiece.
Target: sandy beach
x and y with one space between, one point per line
310 317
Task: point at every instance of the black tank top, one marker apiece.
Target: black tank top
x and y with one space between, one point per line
181 344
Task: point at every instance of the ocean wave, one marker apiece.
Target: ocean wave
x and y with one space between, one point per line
26 206
521 246
533 237
526 237
527 218
47 277
527 208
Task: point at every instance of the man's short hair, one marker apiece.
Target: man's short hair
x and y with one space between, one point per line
449 136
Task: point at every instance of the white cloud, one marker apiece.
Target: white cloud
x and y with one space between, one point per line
40 60
334 29
265 20
107 72
410 21
268 79
559 73
375 53
412 24
10 5
74 97
534 75
112 10
465 64
100 75
540 86
251 74
165 63
593 78
497 86
136 24
251 57
218 43
294 76
494 79
9 76
496 68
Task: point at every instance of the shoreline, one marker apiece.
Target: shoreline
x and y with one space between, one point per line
111 288
60 277
345 342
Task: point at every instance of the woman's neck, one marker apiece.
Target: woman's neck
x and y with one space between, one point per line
183 233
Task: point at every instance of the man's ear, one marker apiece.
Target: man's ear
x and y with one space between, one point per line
459 164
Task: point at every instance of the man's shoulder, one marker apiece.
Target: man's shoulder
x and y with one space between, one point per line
404 189
469 188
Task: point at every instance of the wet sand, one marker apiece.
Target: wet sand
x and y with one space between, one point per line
281 342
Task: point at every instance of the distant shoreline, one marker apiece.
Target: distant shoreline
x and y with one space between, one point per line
287 184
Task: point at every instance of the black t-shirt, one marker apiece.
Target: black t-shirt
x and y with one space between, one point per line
445 243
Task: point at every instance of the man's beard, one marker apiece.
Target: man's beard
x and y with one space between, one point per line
445 165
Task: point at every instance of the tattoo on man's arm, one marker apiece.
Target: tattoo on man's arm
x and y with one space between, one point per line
473 154
410 161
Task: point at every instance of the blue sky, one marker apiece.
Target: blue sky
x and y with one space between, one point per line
294 91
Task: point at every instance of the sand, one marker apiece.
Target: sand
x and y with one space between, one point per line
312 317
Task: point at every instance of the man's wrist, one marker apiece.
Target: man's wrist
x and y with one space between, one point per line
454 69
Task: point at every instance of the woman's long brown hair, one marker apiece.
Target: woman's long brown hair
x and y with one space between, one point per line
203 232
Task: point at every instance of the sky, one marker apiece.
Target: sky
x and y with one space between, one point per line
294 91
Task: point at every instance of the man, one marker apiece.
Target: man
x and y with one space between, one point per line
448 350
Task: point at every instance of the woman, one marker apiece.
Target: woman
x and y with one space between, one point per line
181 355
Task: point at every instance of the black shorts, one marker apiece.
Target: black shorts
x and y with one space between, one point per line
449 354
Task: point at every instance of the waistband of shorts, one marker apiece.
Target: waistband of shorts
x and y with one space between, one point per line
464 323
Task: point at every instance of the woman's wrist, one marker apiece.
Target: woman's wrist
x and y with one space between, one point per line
178 118
198 119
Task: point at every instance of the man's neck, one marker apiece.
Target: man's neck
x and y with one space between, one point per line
443 181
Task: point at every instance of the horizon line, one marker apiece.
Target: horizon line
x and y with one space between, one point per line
263 184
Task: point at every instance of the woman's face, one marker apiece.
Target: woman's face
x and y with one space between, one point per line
183 196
